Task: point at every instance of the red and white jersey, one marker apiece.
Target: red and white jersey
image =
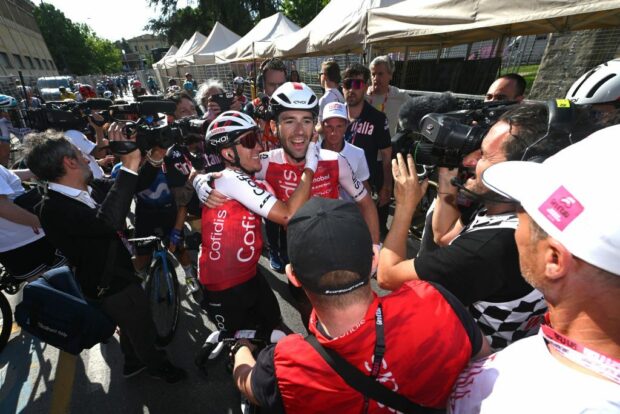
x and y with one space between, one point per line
333 171
231 234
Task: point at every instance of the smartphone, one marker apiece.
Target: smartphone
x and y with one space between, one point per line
224 100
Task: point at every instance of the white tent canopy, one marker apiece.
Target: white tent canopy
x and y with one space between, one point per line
435 23
257 41
160 63
220 38
339 28
170 61
186 51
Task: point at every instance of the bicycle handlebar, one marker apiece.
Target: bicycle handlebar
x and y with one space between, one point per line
250 334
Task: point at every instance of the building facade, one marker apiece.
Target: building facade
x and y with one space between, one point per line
22 47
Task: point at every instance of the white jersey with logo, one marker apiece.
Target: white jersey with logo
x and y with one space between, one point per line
333 172
526 378
357 160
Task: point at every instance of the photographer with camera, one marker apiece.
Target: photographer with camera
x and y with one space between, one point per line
85 219
480 266
214 99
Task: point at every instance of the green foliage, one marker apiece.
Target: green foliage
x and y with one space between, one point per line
74 47
240 16
302 11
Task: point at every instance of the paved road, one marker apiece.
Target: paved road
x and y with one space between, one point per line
28 371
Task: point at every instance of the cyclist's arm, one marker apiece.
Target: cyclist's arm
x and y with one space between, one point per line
358 192
12 212
240 187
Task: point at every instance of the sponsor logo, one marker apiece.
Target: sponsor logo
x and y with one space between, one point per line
216 236
246 252
561 208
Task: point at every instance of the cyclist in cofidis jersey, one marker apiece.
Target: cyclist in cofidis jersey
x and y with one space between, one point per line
236 294
282 168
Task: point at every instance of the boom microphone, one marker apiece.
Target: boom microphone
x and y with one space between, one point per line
414 109
98 103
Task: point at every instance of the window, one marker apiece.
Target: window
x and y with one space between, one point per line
18 59
45 64
38 62
29 62
4 61
52 66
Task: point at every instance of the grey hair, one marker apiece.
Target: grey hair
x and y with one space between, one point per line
210 83
389 64
45 152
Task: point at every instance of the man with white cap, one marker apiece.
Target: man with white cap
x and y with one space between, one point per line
334 126
569 248
86 147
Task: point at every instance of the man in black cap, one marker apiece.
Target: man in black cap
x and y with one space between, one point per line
331 258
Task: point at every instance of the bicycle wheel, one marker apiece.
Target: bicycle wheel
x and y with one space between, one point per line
162 289
6 321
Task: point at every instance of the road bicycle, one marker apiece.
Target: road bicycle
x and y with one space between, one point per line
8 285
162 289
219 341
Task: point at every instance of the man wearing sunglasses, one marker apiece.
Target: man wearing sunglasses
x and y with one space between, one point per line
369 130
236 293
294 109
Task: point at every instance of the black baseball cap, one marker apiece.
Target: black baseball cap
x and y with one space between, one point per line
327 235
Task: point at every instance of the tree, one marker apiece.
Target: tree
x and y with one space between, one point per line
238 15
74 47
302 11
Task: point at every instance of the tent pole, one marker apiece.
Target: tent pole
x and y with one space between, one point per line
499 52
404 72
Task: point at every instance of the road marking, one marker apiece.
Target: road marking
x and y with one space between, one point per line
63 383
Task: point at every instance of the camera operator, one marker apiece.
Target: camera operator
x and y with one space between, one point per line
481 265
510 87
179 162
213 99
84 218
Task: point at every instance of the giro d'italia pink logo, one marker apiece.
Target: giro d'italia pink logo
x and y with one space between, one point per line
561 208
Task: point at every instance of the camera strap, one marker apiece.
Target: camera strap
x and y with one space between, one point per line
367 384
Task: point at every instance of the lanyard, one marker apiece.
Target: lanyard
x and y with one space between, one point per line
581 355
382 108
379 350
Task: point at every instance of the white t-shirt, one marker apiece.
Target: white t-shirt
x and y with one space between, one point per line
330 95
526 378
13 235
357 160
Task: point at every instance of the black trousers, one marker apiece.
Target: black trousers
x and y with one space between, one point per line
129 308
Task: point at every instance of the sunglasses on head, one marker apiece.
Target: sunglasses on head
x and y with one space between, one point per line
353 83
249 140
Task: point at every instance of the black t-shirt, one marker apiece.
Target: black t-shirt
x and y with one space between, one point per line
480 264
370 132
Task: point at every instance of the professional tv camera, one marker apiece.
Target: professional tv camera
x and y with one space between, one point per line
152 130
445 139
65 115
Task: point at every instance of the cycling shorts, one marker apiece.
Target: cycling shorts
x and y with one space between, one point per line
250 305
29 260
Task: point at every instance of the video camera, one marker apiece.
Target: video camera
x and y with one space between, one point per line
259 108
445 139
149 134
66 115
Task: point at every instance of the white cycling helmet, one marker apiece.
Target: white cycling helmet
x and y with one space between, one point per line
293 96
598 85
108 94
238 81
7 102
227 127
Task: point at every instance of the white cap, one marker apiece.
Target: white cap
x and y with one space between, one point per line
572 196
80 141
335 110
